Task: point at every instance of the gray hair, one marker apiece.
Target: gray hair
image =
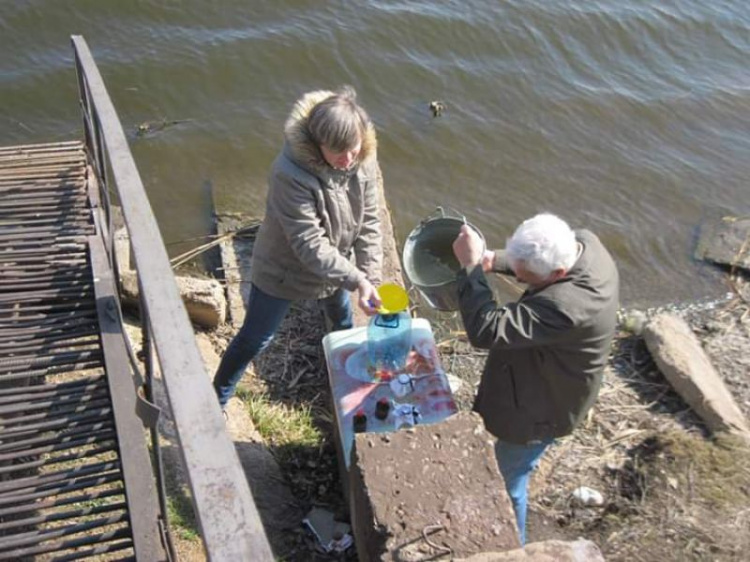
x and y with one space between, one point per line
338 122
543 243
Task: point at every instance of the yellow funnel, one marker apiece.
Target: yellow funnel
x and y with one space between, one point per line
394 299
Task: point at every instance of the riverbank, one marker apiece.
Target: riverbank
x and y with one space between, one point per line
670 491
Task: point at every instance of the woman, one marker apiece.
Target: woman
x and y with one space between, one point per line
321 211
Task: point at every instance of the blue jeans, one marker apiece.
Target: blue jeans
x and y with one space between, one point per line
516 463
263 317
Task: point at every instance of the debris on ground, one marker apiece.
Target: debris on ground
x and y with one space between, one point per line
332 535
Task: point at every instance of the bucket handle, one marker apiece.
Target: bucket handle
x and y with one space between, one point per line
441 212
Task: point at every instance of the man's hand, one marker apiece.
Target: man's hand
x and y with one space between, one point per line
468 247
369 299
488 260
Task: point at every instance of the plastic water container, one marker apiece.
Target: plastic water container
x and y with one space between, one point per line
389 342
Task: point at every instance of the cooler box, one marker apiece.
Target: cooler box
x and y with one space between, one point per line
417 394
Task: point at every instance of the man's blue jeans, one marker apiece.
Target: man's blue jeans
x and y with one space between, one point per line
516 463
263 317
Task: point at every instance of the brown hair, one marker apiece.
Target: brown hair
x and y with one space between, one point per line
338 122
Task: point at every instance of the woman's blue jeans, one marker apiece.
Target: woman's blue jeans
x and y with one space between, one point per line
263 317
516 463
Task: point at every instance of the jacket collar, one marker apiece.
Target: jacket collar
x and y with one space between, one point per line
301 147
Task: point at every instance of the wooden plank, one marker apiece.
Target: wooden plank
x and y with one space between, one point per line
23 156
34 188
15 165
65 146
236 257
16 174
26 163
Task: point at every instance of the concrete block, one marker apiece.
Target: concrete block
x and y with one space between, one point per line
429 490
579 550
680 357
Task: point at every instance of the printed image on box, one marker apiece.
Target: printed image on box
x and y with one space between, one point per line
368 400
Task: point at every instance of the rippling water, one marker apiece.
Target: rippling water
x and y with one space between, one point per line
630 117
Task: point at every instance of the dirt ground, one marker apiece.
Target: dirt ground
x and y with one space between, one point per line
671 491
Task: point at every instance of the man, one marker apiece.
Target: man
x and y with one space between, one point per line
547 350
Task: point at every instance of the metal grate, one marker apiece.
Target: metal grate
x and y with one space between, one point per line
62 491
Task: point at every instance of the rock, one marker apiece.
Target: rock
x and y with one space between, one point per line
580 550
121 242
411 498
680 357
454 382
633 321
203 298
588 497
724 242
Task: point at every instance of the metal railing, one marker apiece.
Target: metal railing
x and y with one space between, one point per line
227 517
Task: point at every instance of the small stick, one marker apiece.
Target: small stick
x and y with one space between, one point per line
434 528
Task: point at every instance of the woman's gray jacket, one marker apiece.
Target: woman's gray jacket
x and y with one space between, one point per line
319 221
547 351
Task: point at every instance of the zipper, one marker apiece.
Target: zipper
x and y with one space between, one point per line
513 385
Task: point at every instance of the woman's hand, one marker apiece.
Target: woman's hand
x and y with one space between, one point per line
369 299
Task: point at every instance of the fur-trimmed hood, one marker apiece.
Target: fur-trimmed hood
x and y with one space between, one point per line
303 149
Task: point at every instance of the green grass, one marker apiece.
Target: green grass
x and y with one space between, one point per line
181 516
180 512
278 424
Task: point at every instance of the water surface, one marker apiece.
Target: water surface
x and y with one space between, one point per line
628 117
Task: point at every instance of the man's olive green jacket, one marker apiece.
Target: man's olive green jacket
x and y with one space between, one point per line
547 351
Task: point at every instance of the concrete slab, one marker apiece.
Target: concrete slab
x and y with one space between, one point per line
579 550
726 242
680 357
428 491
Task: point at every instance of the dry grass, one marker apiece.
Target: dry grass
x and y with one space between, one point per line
671 492
280 424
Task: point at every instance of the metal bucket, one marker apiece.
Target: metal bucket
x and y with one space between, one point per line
429 261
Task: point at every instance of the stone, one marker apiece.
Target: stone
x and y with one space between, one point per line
681 359
203 298
633 321
392 272
580 550
121 243
724 242
410 498
586 496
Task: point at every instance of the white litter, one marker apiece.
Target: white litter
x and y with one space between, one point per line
588 497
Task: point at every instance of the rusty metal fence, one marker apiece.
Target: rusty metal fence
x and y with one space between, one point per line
227 517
